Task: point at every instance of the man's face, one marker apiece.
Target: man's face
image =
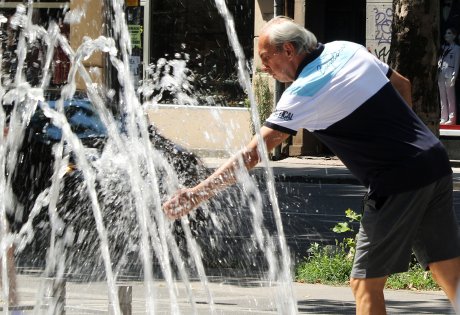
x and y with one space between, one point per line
276 61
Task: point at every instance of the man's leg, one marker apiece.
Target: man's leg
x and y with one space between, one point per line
368 294
447 275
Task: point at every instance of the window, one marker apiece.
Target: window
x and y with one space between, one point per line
43 14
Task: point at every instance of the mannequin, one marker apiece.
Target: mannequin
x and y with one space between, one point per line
448 66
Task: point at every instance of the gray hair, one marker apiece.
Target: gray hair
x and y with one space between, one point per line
282 29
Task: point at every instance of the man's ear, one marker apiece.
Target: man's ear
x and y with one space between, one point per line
289 49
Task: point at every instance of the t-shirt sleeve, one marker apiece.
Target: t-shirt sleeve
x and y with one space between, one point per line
280 128
285 117
389 72
384 67
290 115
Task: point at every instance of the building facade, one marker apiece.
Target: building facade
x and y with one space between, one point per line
193 32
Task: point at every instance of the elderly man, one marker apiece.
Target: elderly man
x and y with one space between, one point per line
360 108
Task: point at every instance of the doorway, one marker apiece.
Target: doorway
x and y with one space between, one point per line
333 20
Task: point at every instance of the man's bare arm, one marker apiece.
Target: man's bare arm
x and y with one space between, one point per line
403 86
188 199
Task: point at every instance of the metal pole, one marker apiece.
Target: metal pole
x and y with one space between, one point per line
125 298
146 34
55 295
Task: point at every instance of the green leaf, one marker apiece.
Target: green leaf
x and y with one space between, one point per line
353 216
341 227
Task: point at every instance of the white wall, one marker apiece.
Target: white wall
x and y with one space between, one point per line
379 16
203 129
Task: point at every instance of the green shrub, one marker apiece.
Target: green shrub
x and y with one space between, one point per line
332 265
345 227
415 279
263 96
326 265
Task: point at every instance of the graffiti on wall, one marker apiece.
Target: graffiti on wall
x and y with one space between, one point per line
383 21
380 17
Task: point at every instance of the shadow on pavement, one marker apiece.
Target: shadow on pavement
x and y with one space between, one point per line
328 306
325 306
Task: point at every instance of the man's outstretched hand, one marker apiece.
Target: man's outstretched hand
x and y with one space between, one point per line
181 203
185 200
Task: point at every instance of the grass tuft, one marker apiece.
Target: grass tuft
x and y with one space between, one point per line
332 265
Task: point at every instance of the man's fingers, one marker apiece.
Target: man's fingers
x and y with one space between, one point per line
173 209
175 212
178 206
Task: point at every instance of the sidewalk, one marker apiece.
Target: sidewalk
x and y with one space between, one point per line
244 294
231 296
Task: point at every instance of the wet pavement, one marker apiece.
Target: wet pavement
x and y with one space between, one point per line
230 295
235 293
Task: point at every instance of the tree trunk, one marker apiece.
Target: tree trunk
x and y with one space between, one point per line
414 53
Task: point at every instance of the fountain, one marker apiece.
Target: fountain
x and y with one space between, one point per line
95 213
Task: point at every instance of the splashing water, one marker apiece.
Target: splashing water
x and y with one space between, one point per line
99 216
286 301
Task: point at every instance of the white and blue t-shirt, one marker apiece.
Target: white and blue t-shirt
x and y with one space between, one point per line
343 95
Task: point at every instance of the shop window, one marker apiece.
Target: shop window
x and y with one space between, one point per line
195 32
36 49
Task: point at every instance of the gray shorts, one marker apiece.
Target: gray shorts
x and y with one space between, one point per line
422 220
